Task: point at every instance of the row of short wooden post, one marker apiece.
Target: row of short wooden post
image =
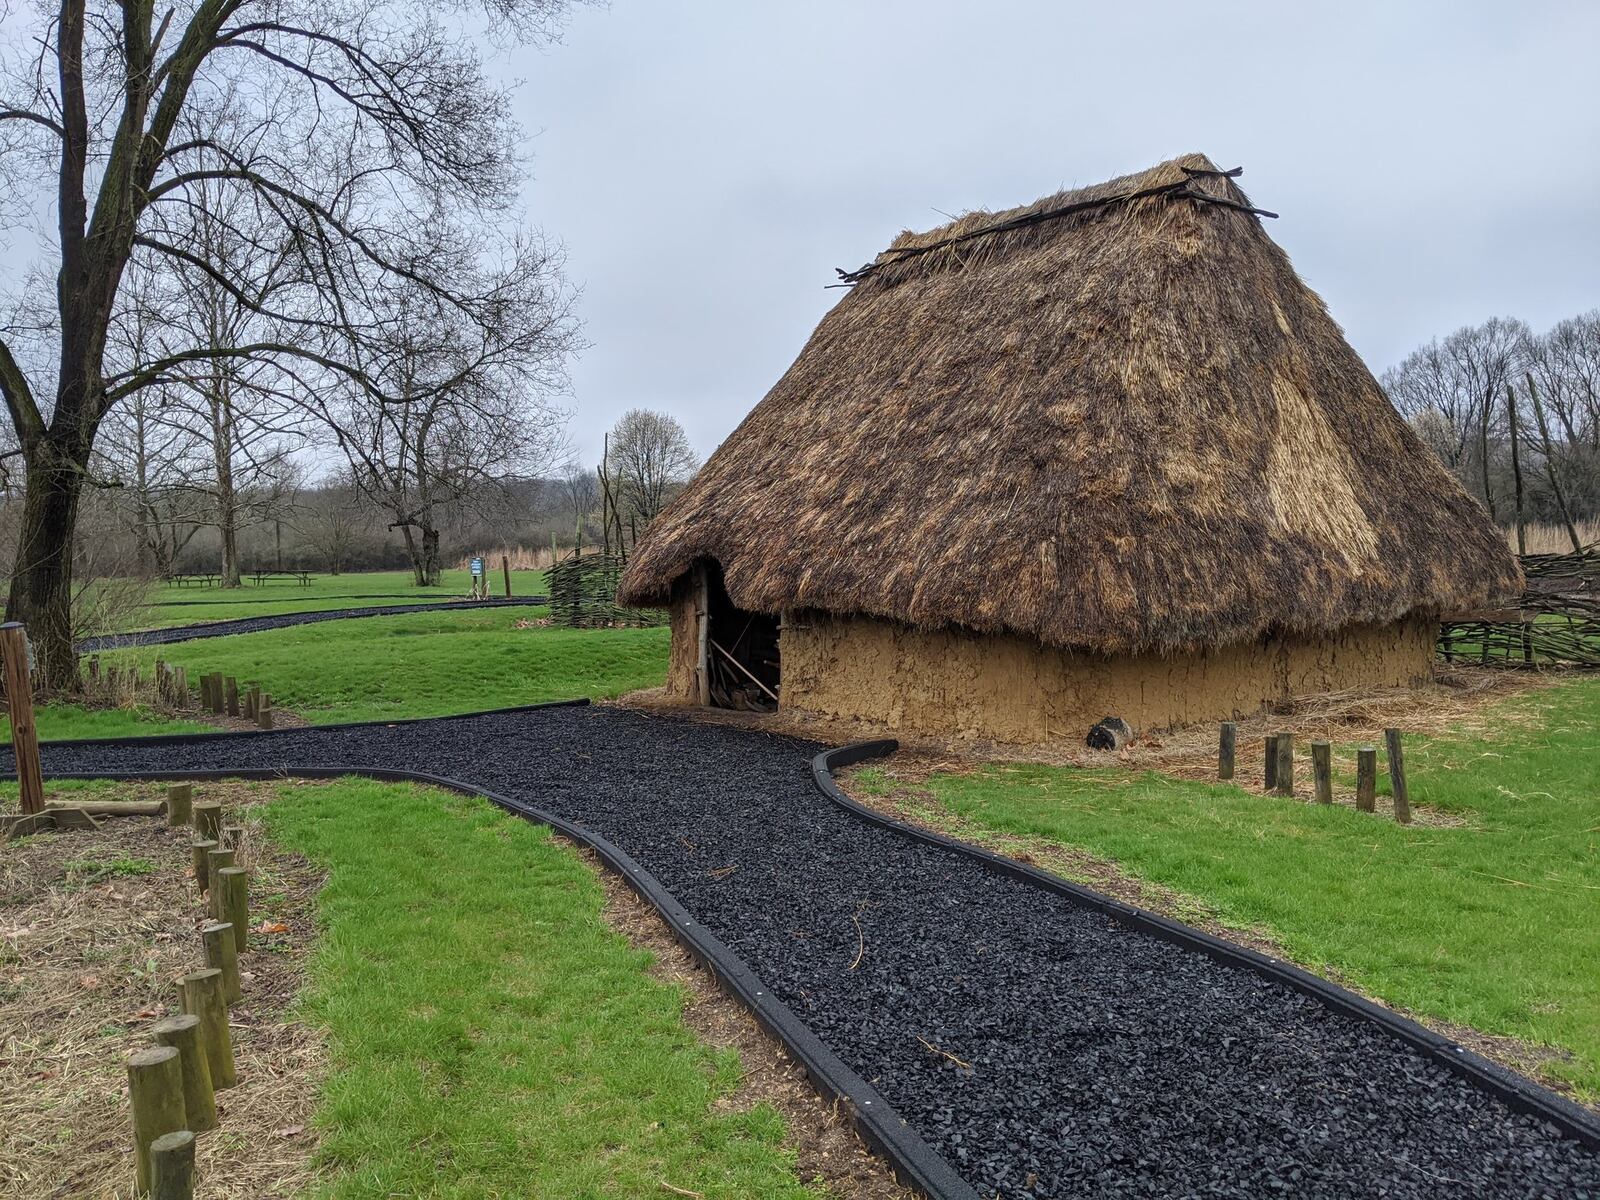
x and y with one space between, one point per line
220 694
1279 769
172 1085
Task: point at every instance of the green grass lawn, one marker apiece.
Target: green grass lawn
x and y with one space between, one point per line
490 1035
1493 922
60 721
171 604
425 664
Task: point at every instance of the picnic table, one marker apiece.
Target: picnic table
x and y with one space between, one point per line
199 578
303 578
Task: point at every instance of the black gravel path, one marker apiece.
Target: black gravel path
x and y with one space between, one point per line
210 629
1102 1061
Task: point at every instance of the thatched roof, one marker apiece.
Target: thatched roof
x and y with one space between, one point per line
1129 427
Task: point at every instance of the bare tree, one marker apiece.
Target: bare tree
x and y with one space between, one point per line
345 120
648 458
581 491
475 408
333 519
1452 392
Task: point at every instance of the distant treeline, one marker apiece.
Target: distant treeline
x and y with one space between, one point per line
1515 415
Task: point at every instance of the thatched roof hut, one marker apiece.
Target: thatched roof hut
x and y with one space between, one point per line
1114 421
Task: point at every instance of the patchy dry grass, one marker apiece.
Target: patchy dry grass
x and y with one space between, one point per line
94 928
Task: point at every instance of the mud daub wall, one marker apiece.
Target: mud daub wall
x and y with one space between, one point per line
1012 689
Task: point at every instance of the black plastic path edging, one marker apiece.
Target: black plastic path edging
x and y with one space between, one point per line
1515 1092
915 1163
169 739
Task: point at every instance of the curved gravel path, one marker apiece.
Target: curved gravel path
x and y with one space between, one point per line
210 629
1094 1059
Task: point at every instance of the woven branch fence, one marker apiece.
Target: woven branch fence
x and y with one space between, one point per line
583 594
1556 623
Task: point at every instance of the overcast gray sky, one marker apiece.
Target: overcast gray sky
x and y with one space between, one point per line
709 164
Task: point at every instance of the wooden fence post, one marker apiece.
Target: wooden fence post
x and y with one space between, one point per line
233 891
1397 776
223 954
202 862
1366 779
216 861
1225 749
172 1166
1322 771
230 692
180 803
208 821
505 568
155 1093
1286 764
201 995
182 1033
1269 774
19 706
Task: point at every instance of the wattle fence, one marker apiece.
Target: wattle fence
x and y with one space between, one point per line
1556 622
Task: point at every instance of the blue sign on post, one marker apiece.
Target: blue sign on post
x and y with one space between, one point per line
477 568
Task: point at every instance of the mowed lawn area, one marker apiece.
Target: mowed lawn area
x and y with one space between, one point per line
491 1035
189 604
424 664
1492 920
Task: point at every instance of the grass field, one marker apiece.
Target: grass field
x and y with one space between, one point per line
1492 921
425 664
491 1035
171 604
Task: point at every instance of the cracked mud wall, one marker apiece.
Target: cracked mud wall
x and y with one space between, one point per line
1011 689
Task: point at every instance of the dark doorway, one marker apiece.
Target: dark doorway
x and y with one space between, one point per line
741 651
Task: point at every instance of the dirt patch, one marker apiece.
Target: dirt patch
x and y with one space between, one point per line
917 806
95 925
822 1137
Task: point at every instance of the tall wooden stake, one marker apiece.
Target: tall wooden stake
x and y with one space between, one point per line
223 954
505 569
19 706
1269 773
1366 779
1322 771
1225 749
233 889
1286 764
1397 776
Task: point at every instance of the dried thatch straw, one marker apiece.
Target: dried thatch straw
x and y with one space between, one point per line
1128 428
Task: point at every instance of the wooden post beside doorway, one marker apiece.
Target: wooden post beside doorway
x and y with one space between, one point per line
702 619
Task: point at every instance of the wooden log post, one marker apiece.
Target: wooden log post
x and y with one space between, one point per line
234 890
200 994
180 687
1322 771
155 1093
202 862
702 617
1285 764
264 718
1269 772
1397 776
219 702
172 1166
1366 778
230 692
182 1033
505 568
180 803
223 954
19 707
208 821
216 860
1225 749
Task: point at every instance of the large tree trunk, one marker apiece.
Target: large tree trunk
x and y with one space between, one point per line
430 556
41 580
227 505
